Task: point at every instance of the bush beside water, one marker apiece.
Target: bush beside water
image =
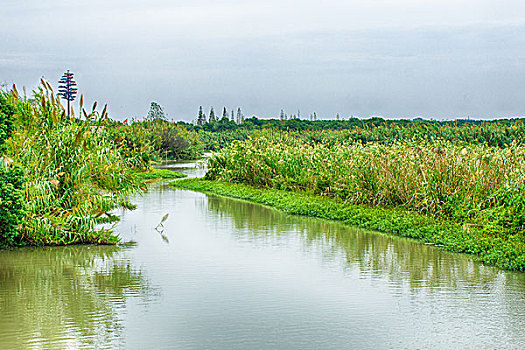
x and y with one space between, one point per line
61 177
73 172
11 180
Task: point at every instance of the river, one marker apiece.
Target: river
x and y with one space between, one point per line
226 274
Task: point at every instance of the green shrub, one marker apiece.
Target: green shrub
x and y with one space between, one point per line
11 180
11 203
6 120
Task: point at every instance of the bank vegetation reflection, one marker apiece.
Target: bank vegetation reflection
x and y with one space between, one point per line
66 297
404 262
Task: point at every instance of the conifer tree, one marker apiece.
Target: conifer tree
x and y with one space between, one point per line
201 119
212 118
239 116
224 113
281 116
67 89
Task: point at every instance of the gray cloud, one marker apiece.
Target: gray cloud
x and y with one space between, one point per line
440 59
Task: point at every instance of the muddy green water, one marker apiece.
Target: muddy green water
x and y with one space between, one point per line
225 274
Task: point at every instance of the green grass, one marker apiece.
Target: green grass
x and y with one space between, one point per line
70 172
473 184
158 174
506 251
73 172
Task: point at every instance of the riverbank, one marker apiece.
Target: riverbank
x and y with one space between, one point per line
61 177
507 252
158 174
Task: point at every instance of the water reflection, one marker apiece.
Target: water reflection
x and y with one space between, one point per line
435 297
66 297
240 276
190 168
403 262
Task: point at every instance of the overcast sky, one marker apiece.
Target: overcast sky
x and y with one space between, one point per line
440 59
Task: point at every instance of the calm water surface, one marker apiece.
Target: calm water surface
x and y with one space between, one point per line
226 274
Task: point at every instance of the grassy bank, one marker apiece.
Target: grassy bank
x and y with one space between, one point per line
72 172
467 183
158 174
505 251
60 176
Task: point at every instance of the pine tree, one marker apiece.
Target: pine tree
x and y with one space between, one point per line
212 118
239 116
67 89
337 117
201 119
315 116
281 116
232 116
224 113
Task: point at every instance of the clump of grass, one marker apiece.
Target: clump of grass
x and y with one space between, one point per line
158 174
73 170
473 184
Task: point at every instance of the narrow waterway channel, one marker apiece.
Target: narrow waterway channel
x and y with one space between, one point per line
226 274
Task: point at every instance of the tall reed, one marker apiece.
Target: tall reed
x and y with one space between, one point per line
74 173
473 183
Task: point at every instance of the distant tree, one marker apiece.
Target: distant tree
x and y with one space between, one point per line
232 116
212 118
337 117
240 117
315 116
67 89
225 113
156 111
281 116
201 119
